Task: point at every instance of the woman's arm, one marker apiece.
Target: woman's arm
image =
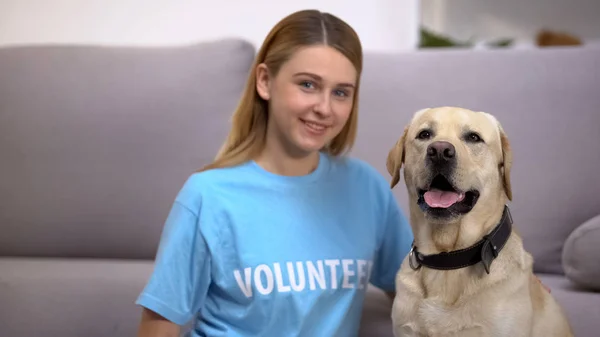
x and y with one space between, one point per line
396 239
154 325
181 276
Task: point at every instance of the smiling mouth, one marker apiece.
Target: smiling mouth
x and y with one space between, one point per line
442 199
314 127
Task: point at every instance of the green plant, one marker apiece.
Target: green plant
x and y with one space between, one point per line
430 39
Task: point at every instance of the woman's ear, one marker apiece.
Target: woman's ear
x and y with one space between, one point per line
263 82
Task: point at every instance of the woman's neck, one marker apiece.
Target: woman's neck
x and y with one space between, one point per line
277 160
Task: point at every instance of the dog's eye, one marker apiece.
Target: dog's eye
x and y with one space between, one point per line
473 137
425 134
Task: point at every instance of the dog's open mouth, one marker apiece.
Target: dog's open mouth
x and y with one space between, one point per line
443 199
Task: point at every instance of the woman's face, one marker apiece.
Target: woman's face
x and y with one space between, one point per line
310 99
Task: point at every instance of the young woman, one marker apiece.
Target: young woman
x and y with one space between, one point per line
281 234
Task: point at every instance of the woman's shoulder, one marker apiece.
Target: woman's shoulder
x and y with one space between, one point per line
359 170
206 186
216 176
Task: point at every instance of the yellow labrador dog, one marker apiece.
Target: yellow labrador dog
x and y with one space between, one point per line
467 273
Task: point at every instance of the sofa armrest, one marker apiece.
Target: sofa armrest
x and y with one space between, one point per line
580 255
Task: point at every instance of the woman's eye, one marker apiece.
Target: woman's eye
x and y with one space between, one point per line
425 134
341 93
307 84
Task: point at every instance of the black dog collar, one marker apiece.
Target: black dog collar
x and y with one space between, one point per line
484 251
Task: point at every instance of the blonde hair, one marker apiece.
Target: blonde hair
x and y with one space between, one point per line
246 138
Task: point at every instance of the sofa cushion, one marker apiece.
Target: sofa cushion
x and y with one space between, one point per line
376 318
581 253
96 298
546 99
581 307
71 297
95 141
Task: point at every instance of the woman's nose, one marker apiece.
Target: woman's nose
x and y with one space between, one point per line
323 106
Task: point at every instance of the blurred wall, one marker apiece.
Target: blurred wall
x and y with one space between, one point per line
381 24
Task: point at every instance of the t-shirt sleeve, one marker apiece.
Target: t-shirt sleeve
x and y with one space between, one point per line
396 241
178 284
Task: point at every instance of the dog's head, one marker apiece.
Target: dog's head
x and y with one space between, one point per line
455 160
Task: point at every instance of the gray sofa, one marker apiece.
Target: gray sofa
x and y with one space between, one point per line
96 141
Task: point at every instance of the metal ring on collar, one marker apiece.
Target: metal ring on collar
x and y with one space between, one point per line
412 256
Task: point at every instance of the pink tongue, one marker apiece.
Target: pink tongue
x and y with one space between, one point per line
442 199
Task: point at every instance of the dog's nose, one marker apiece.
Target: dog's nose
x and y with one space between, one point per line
440 152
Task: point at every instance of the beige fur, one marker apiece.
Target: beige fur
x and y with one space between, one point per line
467 302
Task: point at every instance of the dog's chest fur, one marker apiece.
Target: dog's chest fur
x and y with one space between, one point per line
458 303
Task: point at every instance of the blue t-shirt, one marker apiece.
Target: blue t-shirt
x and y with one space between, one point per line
246 252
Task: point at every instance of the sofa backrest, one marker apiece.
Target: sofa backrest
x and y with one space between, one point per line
95 142
548 102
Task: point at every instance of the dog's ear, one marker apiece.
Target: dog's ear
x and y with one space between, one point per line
395 159
506 165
